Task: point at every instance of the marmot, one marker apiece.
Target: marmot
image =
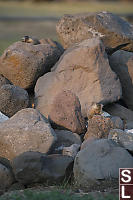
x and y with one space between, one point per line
31 40
95 109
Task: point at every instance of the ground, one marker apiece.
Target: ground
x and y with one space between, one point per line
52 193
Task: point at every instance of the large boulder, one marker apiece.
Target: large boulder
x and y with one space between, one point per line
113 30
99 162
85 71
121 62
99 126
35 167
23 63
65 113
12 99
27 130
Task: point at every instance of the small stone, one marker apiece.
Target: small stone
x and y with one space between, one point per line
3 117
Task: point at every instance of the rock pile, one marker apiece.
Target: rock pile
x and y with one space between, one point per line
56 138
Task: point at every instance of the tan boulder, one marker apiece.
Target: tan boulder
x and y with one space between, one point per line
85 71
27 130
112 29
65 113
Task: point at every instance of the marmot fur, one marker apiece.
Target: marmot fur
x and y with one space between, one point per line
95 109
31 40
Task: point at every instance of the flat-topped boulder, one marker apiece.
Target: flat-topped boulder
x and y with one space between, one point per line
112 29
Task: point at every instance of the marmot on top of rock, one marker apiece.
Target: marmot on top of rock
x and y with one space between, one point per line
95 109
31 40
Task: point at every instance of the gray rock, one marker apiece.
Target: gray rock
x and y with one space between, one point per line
23 63
129 125
6 177
65 139
117 122
85 71
27 130
121 62
65 113
99 163
87 142
12 99
35 167
124 138
71 151
113 30
116 109
3 81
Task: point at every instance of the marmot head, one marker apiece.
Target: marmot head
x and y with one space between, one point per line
97 107
27 39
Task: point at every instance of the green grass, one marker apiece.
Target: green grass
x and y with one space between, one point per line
11 31
14 31
54 195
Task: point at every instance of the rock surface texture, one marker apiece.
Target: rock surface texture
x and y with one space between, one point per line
3 81
6 177
13 99
124 138
100 160
27 130
116 109
66 113
85 71
121 62
99 126
65 139
35 167
113 30
23 63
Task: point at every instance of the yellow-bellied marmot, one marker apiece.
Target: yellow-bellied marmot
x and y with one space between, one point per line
31 40
95 109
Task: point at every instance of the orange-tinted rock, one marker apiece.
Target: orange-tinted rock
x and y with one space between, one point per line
66 113
23 63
